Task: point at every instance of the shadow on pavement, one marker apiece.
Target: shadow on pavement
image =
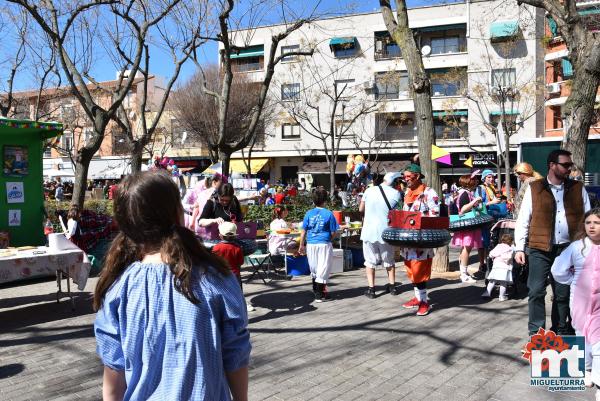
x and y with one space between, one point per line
45 312
10 370
282 304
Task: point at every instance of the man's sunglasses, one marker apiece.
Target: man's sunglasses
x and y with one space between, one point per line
566 165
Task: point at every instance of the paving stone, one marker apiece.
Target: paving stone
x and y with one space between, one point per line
350 349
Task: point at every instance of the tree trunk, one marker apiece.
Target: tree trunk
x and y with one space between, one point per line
82 164
332 167
507 166
421 88
579 111
224 158
136 159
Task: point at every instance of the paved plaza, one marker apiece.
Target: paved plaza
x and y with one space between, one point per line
351 348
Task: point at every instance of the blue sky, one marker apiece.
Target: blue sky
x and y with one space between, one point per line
160 63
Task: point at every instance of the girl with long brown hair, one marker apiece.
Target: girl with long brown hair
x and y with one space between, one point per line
172 321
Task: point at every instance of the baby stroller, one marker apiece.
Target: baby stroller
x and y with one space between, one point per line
519 272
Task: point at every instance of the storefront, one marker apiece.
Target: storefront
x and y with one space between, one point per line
536 152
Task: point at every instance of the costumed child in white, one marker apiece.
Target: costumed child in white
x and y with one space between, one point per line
501 273
579 266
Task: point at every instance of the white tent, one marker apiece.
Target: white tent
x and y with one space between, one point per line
53 172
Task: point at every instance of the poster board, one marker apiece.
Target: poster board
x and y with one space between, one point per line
22 198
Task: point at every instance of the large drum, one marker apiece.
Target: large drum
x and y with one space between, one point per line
412 230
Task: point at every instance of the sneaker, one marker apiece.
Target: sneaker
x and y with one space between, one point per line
370 293
391 289
413 303
467 279
424 309
486 294
504 298
249 307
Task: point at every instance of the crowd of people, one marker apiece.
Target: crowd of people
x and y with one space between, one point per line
156 271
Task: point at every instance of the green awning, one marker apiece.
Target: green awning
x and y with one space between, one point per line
501 30
345 41
506 112
450 113
438 28
250 51
553 26
567 68
589 11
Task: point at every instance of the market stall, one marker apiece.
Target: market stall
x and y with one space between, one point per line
22 211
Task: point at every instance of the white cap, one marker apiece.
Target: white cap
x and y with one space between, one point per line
228 229
389 178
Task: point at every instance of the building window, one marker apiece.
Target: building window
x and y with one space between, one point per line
511 120
395 126
444 45
289 49
47 151
504 78
119 143
290 92
290 131
450 126
343 47
344 88
385 47
391 85
447 83
247 64
446 41
66 142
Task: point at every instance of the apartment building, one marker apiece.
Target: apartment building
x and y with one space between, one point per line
559 71
113 158
483 59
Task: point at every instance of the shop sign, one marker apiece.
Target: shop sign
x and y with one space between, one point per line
486 159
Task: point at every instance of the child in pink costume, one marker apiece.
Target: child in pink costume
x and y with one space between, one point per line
579 266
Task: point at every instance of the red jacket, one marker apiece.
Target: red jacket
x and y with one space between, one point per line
279 198
232 254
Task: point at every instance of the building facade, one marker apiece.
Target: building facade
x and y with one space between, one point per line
559 71
483 58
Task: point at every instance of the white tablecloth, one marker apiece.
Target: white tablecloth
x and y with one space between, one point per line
27 264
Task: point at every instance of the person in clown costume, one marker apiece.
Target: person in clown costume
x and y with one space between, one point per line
419 197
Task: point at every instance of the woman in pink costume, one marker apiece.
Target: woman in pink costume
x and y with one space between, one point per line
579 266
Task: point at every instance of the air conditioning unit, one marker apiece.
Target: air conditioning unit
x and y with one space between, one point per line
378 46
368 85
554 87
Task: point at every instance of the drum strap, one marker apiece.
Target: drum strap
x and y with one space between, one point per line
385 198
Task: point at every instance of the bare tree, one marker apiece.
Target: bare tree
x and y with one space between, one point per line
231 44
421 87
324 103
180 33
198 111
501 106
583 44
76 29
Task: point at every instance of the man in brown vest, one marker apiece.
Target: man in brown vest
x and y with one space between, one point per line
550 217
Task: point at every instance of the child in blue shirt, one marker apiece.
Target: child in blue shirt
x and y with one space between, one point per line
318 228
